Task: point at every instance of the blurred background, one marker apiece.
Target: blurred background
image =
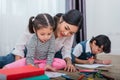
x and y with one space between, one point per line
100 17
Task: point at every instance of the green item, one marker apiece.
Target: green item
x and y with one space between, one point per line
41 77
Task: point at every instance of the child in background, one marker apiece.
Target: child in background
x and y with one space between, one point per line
41 46
85 52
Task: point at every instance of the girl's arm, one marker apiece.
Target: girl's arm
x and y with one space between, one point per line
80 61
31 47
51 51
103 61
49 67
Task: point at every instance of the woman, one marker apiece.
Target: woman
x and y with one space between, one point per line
66 26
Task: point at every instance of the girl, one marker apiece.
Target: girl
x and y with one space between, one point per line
41 46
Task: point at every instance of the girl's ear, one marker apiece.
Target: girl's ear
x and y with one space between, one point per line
94 42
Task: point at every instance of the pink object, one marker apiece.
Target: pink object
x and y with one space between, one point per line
57 63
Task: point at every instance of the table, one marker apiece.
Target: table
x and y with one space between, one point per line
114 70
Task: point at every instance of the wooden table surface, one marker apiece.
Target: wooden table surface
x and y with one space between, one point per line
114 70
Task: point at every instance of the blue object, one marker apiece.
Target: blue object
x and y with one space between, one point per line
58 54
6 59
84 55
67 77
41 77
9 58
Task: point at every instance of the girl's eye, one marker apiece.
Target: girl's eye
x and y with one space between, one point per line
66 28
100 50
41 34
49 34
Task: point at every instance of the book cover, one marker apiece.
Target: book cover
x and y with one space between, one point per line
20 72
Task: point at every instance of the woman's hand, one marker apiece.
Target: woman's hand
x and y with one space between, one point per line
49 67
70 68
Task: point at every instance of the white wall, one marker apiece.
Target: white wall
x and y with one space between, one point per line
103 17
14 16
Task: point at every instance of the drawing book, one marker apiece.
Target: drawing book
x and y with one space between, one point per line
92 65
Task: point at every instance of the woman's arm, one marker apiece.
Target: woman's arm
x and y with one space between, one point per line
66 52
20 45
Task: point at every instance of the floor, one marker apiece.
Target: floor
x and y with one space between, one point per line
114 70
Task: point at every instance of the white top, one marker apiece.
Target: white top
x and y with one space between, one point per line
78 49
65 42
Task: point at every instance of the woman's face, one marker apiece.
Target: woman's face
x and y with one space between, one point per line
65 30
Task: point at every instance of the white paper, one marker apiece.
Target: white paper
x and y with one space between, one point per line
53 74
92 65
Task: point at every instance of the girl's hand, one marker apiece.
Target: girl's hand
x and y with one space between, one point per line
49 67
106 62
70 68
91 60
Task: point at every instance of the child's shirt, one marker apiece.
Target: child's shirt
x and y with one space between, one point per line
36 50
82 50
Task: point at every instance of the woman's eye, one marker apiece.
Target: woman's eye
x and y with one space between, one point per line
71 33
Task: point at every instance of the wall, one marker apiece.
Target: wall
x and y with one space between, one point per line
103 17
14 16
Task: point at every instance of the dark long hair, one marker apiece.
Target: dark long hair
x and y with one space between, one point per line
73 17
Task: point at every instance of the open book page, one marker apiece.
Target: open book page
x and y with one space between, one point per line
53 74
92 65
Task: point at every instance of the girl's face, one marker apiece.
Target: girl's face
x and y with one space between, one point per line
96 49
65 30
44 34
